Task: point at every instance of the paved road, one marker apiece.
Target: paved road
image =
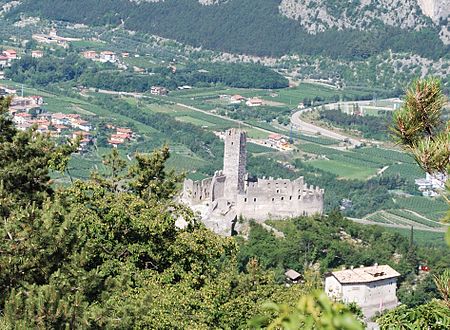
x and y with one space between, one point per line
240 122
314 129
305 127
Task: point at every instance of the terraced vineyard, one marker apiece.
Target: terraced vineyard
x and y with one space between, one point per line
403 218
433 208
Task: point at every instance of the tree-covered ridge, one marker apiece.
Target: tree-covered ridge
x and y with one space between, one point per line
245 26
72 68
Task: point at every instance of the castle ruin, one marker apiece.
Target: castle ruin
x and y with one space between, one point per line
231 194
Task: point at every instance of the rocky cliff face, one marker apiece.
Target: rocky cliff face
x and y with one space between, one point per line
320 15
317 16
435 9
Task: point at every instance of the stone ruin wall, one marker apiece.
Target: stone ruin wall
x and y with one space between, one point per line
279 198
208 189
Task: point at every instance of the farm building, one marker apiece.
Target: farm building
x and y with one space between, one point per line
372 288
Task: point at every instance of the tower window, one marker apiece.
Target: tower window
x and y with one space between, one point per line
290 198
254 199
245 200
273 199
282 198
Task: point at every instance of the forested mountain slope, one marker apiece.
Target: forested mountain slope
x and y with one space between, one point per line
357 29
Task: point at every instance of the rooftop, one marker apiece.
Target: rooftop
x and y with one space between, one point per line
365 274
292 275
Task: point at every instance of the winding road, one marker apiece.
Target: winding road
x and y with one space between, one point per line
305 127
309 128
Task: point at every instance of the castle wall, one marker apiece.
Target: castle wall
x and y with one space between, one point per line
197 191
218 186
279 199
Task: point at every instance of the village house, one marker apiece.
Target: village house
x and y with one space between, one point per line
21 118
37 100
4 61
278 141
108 56
59 128
60 119
235 99
254 102
89 54
126 131
81 124
115 142
372 288
158 90
11 54
122 135
42 125
37 54
85 139
292 277
125 55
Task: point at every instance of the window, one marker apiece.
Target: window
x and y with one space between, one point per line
290 198
245 200
282 198
273 199
299 196
254 199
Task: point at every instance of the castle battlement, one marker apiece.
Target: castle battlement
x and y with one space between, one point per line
258 199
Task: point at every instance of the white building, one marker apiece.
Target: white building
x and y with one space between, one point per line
254 102
373 288
37 54
432 183
108 56
4 61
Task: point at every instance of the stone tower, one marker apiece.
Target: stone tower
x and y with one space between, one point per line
234 162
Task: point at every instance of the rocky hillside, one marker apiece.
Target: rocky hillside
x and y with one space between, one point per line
353 28
321 15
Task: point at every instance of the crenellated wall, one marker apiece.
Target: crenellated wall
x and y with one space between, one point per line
279 198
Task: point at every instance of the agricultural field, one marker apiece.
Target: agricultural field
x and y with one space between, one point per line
403 217
344 170
362 163
423 238
430 207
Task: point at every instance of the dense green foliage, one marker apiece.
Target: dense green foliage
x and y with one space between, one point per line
262 113
326 242
238 26
371 127
47 70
